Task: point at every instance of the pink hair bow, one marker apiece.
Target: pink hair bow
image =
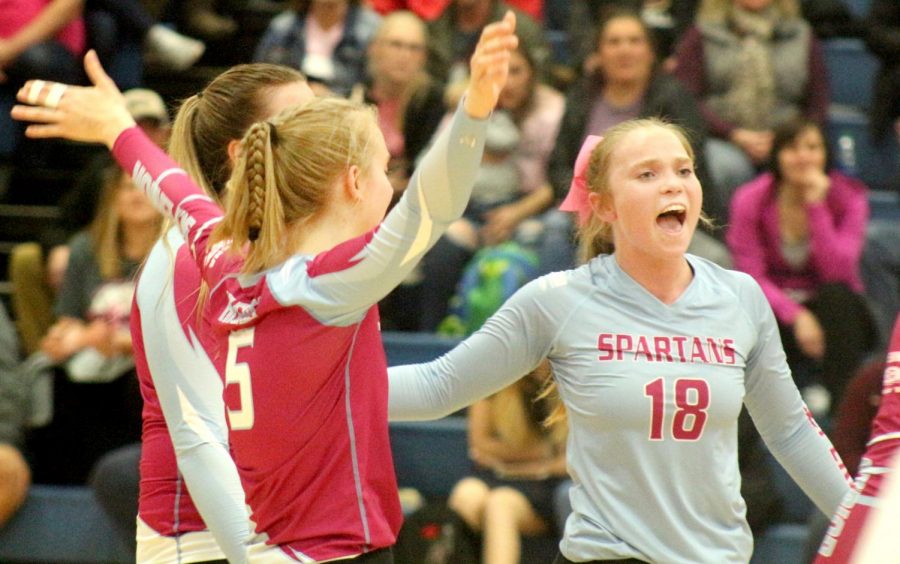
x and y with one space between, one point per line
577 199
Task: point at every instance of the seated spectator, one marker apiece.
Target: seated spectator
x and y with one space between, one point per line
883 39
519 461
96 396
38 39
453 36
410 104
326 39
799 231
15 476
122 30
627 83
537 110
752 65
37 269
666 19
511 189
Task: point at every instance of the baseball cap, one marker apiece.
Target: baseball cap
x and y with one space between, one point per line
146 104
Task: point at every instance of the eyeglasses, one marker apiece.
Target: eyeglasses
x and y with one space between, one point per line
404 46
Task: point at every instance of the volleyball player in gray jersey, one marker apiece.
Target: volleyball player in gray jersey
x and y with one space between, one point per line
653 351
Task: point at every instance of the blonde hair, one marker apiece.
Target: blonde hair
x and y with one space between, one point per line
595 236
286 173
511 415
105 230
716 11
223 111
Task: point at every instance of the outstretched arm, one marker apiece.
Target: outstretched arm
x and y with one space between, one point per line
344 282
784 421
97 114
509 345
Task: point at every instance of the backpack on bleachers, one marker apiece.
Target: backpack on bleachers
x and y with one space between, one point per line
491 277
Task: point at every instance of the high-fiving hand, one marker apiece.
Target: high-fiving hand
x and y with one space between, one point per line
93 114
489 66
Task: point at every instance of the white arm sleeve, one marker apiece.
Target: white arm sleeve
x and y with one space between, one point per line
190 395
509 345
437 195
784 421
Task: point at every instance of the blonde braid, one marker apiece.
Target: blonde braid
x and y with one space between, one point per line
257 139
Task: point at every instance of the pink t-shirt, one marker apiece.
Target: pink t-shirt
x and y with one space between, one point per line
16 14
321 42
387 123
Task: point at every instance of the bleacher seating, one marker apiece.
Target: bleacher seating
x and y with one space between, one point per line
860 8
412 348
851 72
61 524
876 164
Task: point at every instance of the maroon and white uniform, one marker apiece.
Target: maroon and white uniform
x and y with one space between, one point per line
183 414
300 352
852 517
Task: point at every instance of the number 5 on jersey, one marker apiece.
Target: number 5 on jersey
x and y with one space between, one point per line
239 373
691 403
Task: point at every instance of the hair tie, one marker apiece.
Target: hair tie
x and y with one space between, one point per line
577 199
273 134
253 234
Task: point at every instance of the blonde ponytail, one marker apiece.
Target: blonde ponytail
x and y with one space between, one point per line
286 173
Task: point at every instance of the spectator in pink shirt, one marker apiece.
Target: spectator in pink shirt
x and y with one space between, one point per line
799 231
38 39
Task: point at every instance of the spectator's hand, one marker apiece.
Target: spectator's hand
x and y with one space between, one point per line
757 144
100 335
95 114
489 66
63 339
809 334
500 224
815 185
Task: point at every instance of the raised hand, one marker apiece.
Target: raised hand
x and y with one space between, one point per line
94 114
489 66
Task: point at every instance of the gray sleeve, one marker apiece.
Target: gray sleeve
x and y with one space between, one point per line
80 280
190 395
783 420
13 385
437 195
509 345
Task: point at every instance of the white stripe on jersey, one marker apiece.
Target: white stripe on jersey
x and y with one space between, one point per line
884 437
154 548
200 232
426 226
878 544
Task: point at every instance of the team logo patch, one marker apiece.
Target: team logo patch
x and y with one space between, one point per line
238 312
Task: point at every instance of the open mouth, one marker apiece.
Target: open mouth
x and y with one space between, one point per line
671 220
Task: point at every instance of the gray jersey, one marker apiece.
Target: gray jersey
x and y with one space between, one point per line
653 393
